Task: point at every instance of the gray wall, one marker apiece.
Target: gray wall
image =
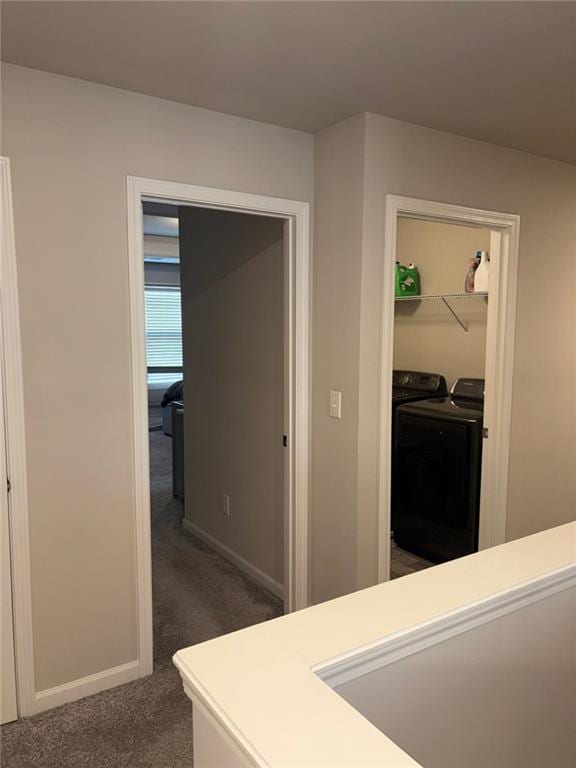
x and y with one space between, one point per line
339 195
233 331
365 158
500 695
426 336
72 144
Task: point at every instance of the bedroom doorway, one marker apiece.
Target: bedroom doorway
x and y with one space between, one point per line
221 422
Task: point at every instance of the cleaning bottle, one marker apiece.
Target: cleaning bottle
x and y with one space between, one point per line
482 273
469 282
407 281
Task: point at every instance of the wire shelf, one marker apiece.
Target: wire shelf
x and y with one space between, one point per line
442 296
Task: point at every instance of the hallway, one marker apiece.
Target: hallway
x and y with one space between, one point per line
147 723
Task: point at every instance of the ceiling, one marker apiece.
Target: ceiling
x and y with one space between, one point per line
502 72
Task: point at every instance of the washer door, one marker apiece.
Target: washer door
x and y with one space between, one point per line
437 486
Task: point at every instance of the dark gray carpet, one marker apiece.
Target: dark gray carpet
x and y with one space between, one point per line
147 724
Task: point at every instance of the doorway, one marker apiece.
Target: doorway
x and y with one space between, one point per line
18 694
481 367
204 210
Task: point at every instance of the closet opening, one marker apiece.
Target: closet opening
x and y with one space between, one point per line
448 344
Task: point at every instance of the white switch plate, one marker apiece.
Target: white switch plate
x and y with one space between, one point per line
225 505
335 404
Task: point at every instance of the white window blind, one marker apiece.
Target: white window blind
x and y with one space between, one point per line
163 334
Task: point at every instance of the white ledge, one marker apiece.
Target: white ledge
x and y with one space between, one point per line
265 685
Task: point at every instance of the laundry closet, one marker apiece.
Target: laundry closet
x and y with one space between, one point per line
440 324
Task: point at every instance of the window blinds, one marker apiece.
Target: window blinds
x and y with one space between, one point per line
163 333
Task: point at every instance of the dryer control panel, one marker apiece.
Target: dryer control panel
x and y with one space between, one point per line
468 389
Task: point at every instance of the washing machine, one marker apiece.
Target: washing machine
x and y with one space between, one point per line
408 386
437 473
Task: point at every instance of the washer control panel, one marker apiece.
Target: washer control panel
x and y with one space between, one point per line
419 381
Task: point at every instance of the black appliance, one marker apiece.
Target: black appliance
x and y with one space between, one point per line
438 455
407 387
416 385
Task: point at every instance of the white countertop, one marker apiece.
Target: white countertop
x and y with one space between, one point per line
260 685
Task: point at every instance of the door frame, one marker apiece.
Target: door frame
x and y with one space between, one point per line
14 428
500 340
296 214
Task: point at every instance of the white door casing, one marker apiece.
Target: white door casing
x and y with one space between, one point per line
500 340
15 455
296 214
8 704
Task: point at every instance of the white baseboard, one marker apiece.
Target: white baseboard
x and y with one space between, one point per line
267 581
86 686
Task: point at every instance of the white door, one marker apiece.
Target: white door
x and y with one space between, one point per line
8 707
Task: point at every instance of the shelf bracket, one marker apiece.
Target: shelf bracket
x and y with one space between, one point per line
455 316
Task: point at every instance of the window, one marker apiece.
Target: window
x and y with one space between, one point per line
163 335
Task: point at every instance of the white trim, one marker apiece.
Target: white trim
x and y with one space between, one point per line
200 697
140 427
297 214
16 452
362 661
214 743
86 686
499 380
229 554
499 361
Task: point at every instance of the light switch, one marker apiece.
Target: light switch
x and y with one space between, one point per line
335 404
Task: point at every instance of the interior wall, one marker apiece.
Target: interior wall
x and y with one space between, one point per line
393 157
71 144
233 333
426 336
499 695
338 161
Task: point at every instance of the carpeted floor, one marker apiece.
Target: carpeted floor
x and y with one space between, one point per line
147 724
